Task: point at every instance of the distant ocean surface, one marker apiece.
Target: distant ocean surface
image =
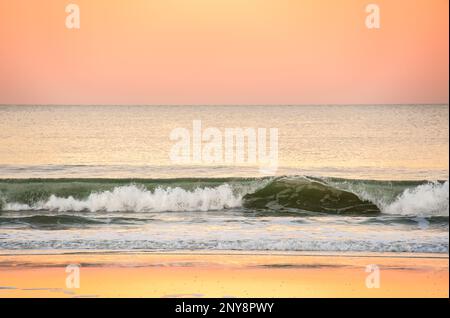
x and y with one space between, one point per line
350 178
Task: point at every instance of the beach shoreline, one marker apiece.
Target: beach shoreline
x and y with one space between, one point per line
225 274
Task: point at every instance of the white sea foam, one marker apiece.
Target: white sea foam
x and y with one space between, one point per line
251 240
430 199
139 199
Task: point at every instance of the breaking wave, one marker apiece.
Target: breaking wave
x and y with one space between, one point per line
430 199
303 194
138 199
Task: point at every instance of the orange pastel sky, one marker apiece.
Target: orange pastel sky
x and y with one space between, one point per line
223 52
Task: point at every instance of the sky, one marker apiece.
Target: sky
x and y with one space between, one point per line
224 52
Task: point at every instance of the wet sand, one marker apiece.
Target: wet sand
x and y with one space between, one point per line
224 275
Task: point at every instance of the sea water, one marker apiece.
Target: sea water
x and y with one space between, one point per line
349 178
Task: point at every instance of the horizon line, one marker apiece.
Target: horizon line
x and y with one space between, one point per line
249 105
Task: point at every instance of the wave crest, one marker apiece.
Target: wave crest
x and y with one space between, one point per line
138 199
294 193
430 199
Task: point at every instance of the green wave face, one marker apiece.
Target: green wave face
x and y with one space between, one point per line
308 195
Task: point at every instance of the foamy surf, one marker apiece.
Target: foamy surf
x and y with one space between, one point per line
255 214
335 196
431 199
138 199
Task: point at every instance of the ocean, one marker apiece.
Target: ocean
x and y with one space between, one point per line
355 178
